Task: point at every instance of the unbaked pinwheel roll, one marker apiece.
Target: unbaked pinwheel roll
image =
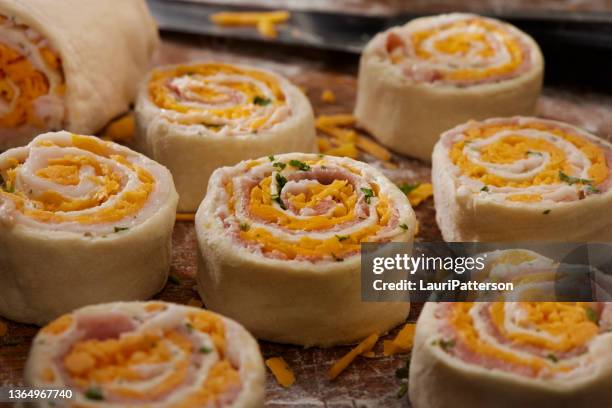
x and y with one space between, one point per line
196 118
280 246
82 221
420 79
537 354
522 179
152 354
69 64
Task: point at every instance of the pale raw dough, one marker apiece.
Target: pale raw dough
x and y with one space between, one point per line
192 157
105 47
439 380
408 116
241 349
292 301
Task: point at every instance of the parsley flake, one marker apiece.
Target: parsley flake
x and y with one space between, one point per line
94 393
592 315
572 180
407 187
402 390
485 189
342 237
119 229
403 226
205 350
368 194
261 101
299 165
244 226
280 165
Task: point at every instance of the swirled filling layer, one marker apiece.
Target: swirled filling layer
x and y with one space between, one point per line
307 207
79 183
530 161
32 83
531 339
161 355
220 98
459 50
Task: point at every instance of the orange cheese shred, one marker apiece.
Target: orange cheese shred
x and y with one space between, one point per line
328 96
373 148
185 216
402 343
265 22
121 130
364 347
281 371
420 194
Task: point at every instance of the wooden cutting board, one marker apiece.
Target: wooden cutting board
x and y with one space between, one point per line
369 381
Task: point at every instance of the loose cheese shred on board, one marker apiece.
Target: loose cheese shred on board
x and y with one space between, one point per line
402 342
364 347
121 130
283 374
264 21
185 216
420 194
328 96
376 150
346 142
3 329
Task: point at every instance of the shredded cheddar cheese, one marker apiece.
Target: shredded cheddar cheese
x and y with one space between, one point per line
328 96
365 346
185 217
27 74
420 194
264 21
121 130
402 343
344 141
281 371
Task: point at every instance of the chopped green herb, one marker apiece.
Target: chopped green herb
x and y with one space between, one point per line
280 165
592 189
94 393
174 280
321 155
532 153
592 315
342 237
368 194
276 197
244 226
446 344
485 189
205 350
401 372
403 226
299 165
261 101
271 157
552 358
572 180
189 326
402 390
281 181
119 229
407 187
546 212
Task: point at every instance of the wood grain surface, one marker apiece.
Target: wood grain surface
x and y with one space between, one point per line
369 381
